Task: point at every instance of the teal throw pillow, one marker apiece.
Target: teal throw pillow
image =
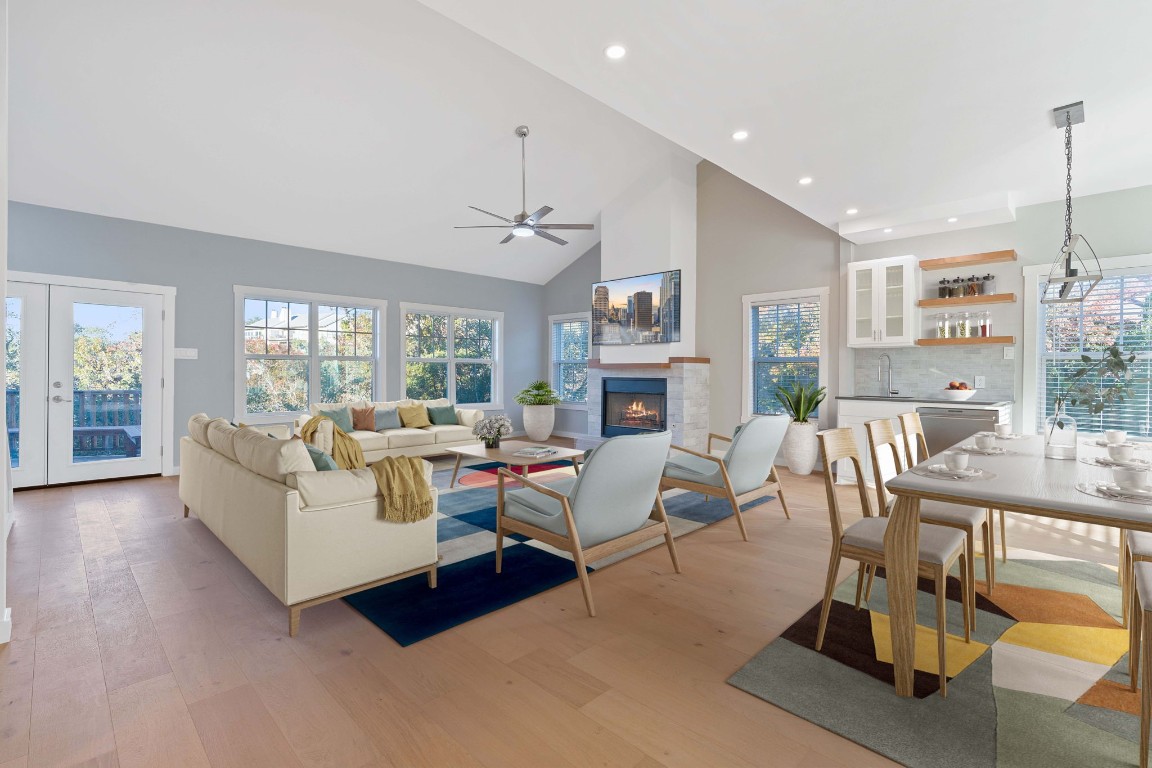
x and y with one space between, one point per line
322 461
443 414
341 417
387 418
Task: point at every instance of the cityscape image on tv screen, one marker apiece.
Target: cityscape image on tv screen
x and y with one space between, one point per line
637 310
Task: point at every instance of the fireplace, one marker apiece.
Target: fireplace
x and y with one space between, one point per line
633 406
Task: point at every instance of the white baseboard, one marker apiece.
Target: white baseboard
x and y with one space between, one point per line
6 626
173 471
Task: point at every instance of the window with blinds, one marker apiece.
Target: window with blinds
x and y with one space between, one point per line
785 349
570 337
1117 311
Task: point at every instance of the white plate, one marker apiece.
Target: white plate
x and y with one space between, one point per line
942 469
1105 443
984 451
1009 437
1141 493
1105 461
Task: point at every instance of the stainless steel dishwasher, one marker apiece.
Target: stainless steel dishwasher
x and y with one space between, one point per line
944 427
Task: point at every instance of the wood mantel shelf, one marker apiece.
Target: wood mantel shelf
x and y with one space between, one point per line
971 260
595 363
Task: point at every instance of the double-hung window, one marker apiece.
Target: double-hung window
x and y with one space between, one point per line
570 339
1117 311
297 348
452 353
785 344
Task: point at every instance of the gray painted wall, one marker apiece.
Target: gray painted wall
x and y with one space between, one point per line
749 242
204 267
571 291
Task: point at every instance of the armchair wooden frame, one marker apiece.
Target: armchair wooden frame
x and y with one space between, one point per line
771 485
571 543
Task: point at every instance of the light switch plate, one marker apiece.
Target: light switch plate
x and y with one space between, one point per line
980 382
186 353
1009 353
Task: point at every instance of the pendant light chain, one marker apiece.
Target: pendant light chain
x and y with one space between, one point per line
1068 183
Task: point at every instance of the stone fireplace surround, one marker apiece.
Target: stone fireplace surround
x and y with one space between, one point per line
687 395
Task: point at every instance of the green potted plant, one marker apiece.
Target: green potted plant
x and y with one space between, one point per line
1096 385
800 446
539 401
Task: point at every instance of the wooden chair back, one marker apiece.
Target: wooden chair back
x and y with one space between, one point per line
836 445
913 431
881 435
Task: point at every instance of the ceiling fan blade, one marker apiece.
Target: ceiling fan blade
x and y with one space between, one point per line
490 214
538 215
484 226
549 236
565 226
508 239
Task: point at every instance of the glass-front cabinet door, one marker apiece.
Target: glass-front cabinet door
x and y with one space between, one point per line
861 305
882 302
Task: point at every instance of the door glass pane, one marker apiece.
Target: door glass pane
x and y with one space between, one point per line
894 301
863 317
14 310
108 361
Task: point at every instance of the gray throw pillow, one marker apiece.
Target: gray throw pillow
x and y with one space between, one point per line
387 418
443 414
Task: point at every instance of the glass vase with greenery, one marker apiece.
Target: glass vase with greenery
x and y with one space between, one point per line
1096 385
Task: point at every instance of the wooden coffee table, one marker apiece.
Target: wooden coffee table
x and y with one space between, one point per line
503 455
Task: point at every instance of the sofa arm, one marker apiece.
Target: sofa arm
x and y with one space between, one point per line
323 439
469 416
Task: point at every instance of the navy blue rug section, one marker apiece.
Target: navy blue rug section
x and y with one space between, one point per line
702 509
486 519
408 611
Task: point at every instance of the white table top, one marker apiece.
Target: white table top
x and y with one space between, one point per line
1025 481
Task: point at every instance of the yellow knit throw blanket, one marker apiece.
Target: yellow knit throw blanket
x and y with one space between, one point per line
400 479
346 452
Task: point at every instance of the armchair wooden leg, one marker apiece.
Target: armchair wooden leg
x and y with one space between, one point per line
293 621
662 516
585 584
941 627
829 588
499 522
186 510
736 512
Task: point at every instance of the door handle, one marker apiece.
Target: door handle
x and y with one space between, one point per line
58 399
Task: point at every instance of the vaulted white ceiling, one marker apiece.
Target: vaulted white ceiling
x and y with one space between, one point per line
899 109
356 126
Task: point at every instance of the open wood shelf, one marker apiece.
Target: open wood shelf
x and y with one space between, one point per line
965 342
964 301
971 260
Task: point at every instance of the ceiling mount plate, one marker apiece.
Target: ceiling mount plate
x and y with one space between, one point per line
1060 115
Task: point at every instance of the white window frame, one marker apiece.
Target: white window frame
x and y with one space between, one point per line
573 405
1032 333
497 360
242 292
751 300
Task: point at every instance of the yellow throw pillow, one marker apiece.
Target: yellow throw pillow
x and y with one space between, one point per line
414 416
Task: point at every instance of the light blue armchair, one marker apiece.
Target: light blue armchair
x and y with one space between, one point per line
746 472
614 504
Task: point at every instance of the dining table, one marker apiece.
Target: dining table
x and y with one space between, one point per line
1020 480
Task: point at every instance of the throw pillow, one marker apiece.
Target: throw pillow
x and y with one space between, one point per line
341 417
364 419
443 414
387 418
414 416
322 461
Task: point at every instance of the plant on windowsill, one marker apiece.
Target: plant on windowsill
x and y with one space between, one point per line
539 401
492 428
800 445
1097 385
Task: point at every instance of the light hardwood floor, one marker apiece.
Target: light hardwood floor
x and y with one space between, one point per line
141 641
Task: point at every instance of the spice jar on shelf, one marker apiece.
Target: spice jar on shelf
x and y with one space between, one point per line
958 288
985 324
963 329
943 325
974 286
943 289
989 285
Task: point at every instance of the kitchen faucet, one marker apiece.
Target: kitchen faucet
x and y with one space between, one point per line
888 392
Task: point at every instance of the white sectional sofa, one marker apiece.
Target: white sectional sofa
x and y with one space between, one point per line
308 536
428 441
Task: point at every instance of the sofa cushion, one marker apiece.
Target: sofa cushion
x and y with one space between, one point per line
220 436
341 416
322 461
408 438
370 441
391 404
315 408
414 416
442 414
322 489
450 433
268 457
198 429
364 418
469 416
387 418
439 402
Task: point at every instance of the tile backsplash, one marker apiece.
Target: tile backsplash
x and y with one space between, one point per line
924 371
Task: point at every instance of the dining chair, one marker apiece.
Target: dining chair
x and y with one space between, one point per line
863 541
958 516
1135 547
614 504
916 450
1140 647
746 472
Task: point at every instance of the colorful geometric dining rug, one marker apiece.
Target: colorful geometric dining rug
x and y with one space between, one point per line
1044 682
468 585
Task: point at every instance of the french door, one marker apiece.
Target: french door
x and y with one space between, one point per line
83 382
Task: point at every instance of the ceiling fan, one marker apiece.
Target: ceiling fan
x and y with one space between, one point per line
524 224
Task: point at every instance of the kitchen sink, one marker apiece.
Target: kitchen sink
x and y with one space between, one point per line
879 397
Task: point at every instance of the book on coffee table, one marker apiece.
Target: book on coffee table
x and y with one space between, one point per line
535 452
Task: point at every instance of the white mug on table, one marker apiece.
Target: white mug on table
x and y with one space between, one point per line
956 460
985 440
1120 451
1130 478
1115 436
1003 430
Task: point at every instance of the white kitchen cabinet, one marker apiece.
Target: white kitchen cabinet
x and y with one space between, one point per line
882 302
855 414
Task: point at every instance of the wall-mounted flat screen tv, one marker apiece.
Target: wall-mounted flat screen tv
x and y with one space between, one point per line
637 310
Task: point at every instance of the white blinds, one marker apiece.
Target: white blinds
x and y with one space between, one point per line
785 349
570 360
1118 311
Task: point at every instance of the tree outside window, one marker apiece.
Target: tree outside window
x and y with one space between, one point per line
450 355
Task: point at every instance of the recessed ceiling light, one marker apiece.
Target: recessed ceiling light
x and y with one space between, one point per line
851 211
615 51
806 180
740 135
889 229
953 220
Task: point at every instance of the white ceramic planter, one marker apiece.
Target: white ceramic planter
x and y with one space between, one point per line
539 420
800 447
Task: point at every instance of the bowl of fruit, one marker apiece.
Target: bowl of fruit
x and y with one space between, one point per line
958 390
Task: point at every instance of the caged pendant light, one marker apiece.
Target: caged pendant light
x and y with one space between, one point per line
1071 279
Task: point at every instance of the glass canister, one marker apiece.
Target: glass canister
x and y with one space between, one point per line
974 286
958 288
963 325
989 284
943 325
985 324
943 289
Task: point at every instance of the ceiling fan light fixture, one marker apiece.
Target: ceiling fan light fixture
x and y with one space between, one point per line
523 230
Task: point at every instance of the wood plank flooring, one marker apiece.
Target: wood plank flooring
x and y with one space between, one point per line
141 641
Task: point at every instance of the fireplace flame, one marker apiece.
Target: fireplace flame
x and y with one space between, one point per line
636 410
